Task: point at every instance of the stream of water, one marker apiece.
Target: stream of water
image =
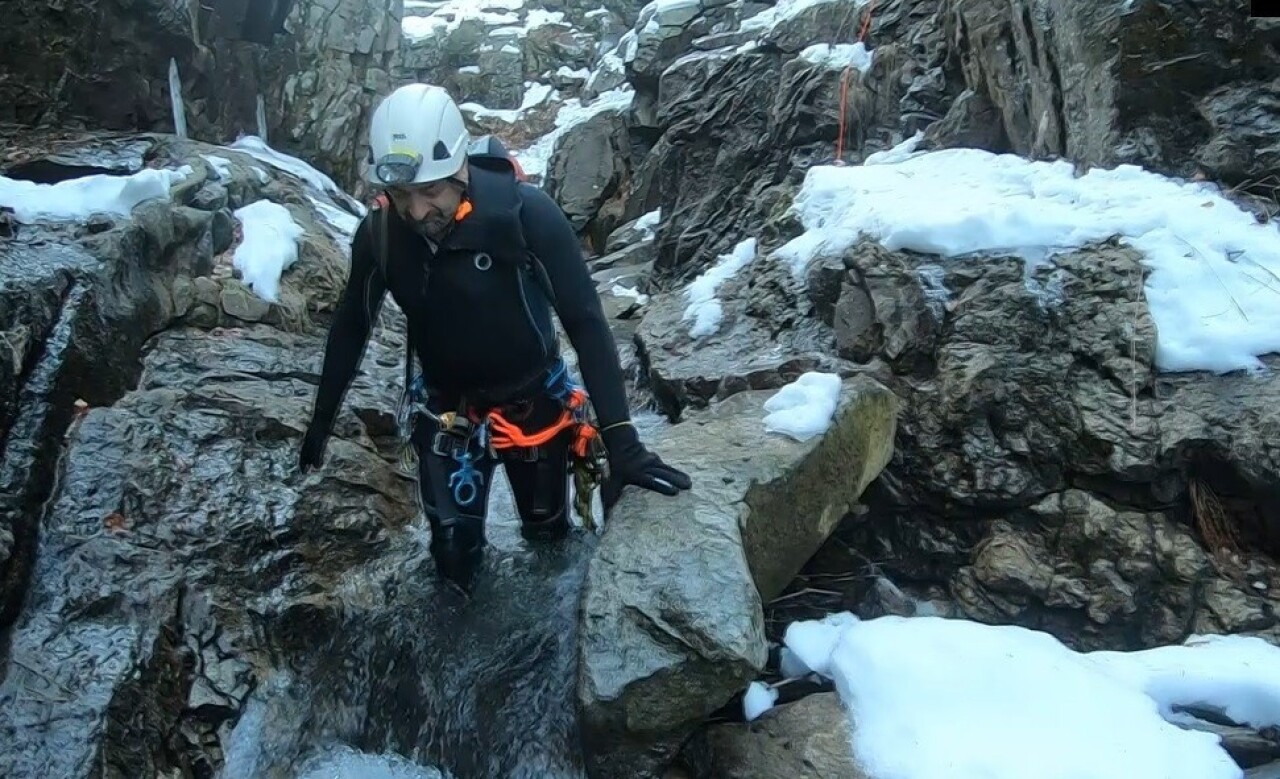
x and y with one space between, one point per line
420 684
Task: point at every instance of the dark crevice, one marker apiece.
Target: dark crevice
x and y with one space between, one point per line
44 171
264 19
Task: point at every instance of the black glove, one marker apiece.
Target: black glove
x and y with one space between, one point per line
312 450
631 463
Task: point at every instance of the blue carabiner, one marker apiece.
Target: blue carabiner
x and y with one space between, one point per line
465 482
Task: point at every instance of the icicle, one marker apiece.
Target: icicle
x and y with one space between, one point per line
262 118
175 96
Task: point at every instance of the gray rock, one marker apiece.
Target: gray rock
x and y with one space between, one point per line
587 170
765 338
808 739
1061 79
1268 771
1246 140
973 122
671 630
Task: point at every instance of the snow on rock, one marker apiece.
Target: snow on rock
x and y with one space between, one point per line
841 55
534 159
220 165
503 17
1214 285
1238 676
535 94
619 291
343 224
268 247
342 762
760 698
77 199
449 16
804 408
1003 702
258 149
785 10
704 308
648 222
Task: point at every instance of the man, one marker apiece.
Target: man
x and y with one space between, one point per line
477 260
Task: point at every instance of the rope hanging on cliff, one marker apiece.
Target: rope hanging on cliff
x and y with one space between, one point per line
844 81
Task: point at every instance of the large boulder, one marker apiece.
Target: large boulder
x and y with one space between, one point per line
587 173
312 68
672 629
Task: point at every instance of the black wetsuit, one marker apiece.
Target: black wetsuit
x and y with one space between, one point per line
482 330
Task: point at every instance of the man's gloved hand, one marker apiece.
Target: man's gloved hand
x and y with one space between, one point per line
631 463
312 449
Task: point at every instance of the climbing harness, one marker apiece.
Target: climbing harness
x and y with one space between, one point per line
466 434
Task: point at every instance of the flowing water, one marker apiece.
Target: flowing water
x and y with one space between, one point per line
479 689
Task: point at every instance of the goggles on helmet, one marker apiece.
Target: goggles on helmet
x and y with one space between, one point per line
398 169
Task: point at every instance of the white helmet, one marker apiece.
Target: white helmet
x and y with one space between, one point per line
417 135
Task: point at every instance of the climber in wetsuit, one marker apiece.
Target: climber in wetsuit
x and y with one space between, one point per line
478 260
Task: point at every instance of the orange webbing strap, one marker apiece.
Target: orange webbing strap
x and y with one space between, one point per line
503 434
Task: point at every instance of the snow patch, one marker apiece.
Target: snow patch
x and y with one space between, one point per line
268 248
534 94
535 158
704 308
258 149
786 10
759 698
1214 285
77 199
804 408
449 16
842 55
990 701
221 166
648 223
343 223
346 763
619 291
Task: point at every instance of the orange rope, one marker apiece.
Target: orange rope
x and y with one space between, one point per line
844 99
844 79
503 434
866 21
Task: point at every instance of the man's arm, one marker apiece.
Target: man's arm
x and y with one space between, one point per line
352 323
551 238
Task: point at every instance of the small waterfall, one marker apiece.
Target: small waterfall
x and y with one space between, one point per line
175 96
262 119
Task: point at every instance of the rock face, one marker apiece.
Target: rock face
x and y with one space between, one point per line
131 504
764 110
808 739
671 629
1143 84
1043 471
316 66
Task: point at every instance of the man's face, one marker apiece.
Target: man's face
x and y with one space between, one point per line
428 208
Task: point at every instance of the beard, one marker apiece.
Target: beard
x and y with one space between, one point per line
433 226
